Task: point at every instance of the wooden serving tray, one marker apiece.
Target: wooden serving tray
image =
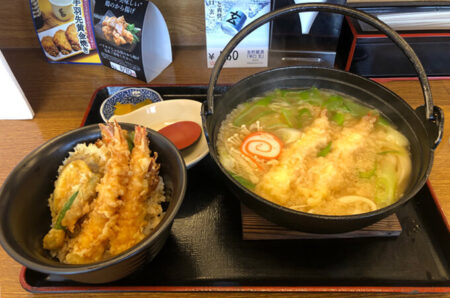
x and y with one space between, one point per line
255 227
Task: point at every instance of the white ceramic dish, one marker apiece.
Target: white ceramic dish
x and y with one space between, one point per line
160 114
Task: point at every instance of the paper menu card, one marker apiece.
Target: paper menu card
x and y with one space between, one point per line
64 30
13 100
307 18
132 37
225 18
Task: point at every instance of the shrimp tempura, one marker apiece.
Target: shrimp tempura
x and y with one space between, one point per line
89 246
143 180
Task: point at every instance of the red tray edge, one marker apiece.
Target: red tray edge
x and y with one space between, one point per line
75 289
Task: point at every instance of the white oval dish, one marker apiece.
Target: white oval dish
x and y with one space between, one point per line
160 114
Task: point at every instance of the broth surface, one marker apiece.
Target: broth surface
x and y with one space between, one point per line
315 151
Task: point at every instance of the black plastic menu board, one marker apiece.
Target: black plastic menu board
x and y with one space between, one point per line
132 37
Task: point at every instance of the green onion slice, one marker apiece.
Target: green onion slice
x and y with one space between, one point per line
63 211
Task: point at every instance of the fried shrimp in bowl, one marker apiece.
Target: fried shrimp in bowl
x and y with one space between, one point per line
80 195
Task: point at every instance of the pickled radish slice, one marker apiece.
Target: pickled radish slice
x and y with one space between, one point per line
182 134
261 144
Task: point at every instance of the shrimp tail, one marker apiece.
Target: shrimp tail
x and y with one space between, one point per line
107 132
112 133
140 138
141 143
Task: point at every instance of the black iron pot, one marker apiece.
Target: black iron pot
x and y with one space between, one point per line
423 127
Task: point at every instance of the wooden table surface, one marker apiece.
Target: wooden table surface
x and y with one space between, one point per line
59 95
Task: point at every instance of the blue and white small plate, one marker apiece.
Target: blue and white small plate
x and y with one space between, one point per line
124 96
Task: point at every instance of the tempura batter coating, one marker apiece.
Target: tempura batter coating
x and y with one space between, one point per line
278 183
75 177
143 180
106 199
91 243
327 175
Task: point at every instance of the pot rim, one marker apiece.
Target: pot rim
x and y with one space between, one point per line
385 210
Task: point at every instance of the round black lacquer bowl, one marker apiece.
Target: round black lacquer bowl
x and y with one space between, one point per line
25 215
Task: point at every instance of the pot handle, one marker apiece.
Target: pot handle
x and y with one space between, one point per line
435 126
432 114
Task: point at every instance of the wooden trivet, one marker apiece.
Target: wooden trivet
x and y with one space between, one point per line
255 227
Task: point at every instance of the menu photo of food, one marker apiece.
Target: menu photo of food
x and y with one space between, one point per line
132 37
65 31
60 42
51 13
118 32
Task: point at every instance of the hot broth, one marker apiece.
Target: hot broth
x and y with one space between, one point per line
315 151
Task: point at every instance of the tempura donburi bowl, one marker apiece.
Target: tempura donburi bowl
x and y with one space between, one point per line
25 215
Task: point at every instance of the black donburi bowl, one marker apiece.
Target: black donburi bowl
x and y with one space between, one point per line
25 215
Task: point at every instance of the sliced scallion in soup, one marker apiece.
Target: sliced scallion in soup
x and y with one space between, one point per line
315 151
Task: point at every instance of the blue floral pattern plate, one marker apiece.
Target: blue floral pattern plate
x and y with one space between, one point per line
124 96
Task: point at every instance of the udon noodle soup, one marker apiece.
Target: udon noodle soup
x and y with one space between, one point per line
315 151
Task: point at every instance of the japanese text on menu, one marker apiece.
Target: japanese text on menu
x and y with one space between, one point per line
79 24
126 6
